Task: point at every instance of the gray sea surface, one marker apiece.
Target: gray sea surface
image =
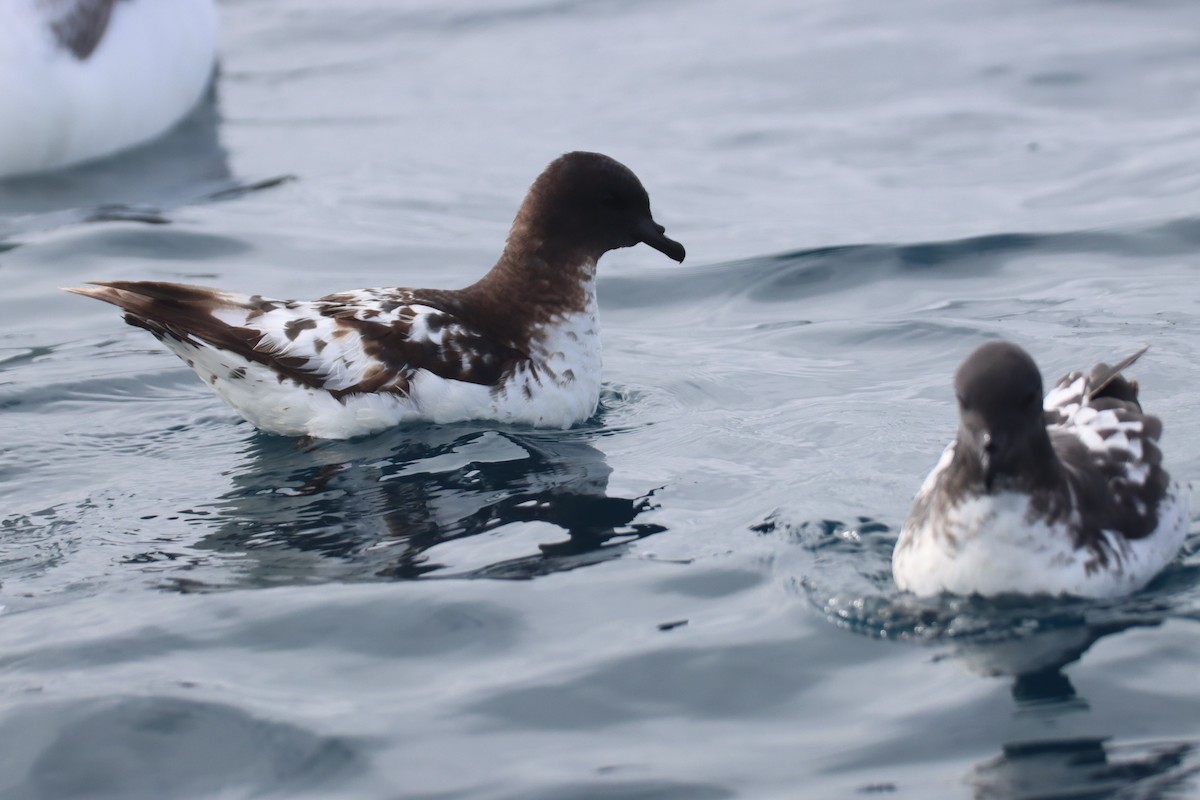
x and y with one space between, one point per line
689 596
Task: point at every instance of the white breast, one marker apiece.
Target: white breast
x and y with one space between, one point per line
558 388
989 545
148 71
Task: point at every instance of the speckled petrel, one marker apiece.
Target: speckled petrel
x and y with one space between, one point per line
1061 496
521 345
82 79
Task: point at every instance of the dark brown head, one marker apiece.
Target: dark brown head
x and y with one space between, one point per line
585 204
999 392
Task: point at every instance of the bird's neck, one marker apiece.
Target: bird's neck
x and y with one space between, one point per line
539 274
1039 470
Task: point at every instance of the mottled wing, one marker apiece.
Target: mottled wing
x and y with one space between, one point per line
357 342
1110 450
1067 397
376 339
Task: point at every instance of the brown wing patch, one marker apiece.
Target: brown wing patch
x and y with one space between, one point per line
486 362
378 378
483 355
294 327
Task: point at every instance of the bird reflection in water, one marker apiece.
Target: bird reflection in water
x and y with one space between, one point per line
186 166
1086 767
1071 766
399 506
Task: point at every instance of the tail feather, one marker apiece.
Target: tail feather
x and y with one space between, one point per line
185 313
1106 381
129 294
166 309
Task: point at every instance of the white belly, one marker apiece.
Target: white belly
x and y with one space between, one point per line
995 546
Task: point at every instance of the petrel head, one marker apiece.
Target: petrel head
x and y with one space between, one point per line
999 391
593 203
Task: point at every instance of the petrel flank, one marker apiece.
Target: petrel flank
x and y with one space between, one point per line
521 345
83 79
1061 496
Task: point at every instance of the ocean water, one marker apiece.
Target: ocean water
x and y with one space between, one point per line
689 596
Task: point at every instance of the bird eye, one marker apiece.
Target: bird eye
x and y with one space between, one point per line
611 200
962 402
1031 399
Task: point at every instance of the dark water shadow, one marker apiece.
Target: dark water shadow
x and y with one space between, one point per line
185 166
390 507
1086 767
1071 767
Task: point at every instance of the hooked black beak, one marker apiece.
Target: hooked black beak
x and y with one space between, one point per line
989 450
653 234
